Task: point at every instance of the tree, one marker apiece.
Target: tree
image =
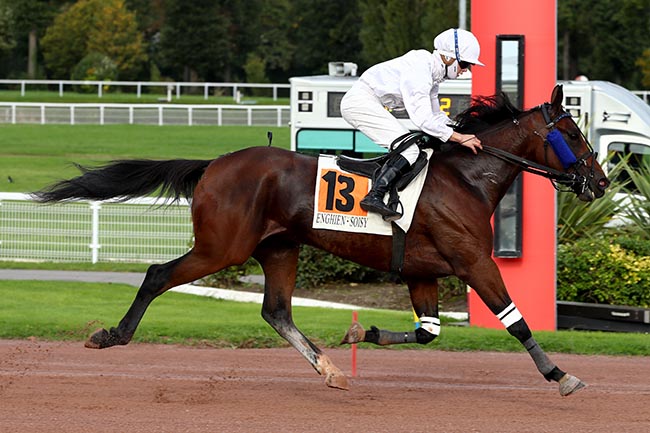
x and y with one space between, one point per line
194 39
7 40
94 26
644 63
393 27
273 45
31 19
324 31
601 41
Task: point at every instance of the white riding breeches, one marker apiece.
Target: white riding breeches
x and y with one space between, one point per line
362 109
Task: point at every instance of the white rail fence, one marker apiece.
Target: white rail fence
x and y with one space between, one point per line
143 114
140 231
169 87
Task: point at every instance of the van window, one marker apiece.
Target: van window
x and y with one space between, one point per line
638 154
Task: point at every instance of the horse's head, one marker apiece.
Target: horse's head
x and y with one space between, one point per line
544 140
567 150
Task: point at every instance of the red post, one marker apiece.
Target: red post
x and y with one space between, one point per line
530 279
355 318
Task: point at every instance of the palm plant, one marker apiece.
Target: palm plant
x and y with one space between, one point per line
638 209
576 219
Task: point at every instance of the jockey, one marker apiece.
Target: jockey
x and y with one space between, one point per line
411 83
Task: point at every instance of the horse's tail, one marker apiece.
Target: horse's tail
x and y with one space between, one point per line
127 179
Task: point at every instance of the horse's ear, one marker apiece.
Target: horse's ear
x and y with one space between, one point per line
557 97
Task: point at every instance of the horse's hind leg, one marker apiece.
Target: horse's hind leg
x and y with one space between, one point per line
158 280
279 262
424 298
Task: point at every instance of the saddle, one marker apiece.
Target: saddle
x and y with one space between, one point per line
370 167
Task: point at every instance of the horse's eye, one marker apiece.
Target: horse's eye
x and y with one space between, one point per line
574 135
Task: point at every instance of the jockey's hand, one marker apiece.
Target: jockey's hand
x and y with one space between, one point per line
468 140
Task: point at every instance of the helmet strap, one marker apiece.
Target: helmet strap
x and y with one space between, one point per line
456 45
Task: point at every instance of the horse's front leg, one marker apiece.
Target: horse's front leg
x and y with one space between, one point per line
424 298
279 262
489 286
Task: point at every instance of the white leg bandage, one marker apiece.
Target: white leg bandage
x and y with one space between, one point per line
509 315
430 324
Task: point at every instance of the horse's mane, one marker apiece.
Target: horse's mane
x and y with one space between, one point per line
484 112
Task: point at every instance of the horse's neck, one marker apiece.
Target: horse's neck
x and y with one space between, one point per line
489 176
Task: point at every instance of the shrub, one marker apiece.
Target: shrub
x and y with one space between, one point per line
603 271
317 267
230 276
94 67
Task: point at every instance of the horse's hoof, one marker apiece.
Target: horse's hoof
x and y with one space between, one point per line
338 381
98 340
570 384
355 334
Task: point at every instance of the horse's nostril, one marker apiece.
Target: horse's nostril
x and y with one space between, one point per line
603 183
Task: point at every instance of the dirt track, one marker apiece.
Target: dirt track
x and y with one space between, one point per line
62 387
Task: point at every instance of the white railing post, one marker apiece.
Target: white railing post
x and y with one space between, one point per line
249 115
61 90
99 89
131 115
101 114
138 88
94 246
279 111
189 116
22 88
219 116
43 114
160 115
72 115
13 114
206 91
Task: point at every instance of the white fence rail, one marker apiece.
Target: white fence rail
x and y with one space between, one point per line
144 114
139 231
138 86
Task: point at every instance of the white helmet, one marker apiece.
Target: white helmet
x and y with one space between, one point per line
458 44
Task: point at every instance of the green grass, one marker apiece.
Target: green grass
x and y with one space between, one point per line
37 155
112 97
70 311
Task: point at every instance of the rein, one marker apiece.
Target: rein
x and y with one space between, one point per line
576 182
530 166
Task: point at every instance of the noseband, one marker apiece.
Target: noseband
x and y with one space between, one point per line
567 158
571 178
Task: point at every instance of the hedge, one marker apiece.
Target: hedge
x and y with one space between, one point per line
612 271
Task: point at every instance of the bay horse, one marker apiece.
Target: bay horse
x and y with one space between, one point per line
259 202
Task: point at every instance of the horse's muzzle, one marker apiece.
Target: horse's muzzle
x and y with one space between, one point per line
595 188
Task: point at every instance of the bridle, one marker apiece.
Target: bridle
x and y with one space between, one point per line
570 179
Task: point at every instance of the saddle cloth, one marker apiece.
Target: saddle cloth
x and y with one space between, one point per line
337 197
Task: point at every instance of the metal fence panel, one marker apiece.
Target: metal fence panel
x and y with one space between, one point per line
142 230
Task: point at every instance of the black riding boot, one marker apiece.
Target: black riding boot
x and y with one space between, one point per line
388 174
